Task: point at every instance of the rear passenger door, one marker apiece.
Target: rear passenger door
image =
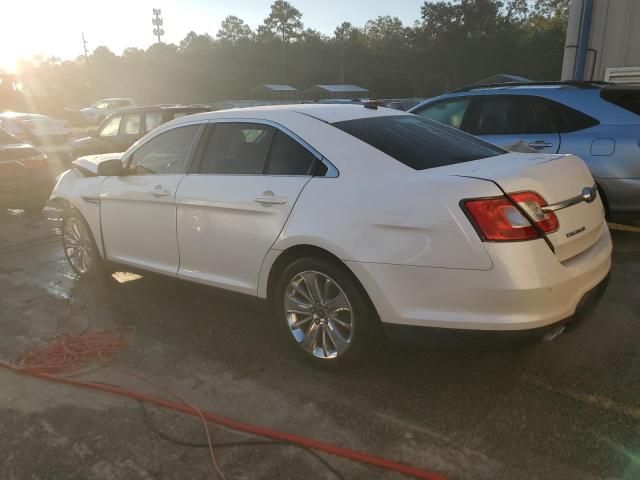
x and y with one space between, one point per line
514 122
233 206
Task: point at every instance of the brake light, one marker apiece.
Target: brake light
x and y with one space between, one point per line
499 220
36 161
532 203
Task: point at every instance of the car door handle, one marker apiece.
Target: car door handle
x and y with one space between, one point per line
158 191
269 198
540 144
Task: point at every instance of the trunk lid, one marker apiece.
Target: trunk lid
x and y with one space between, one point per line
563 181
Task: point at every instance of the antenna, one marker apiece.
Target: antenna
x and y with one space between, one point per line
157 24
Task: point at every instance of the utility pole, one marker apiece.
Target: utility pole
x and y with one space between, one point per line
157 24
86 60
86 53
342 63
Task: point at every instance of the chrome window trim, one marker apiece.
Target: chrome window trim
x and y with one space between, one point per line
332 171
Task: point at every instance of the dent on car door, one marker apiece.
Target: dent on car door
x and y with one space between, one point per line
515 122
138 212
232 210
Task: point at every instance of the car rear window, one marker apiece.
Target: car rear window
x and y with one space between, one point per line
418 142
627 98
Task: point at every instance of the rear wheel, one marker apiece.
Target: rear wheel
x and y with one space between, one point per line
324 312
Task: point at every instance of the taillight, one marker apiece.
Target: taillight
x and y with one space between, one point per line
35 161
499 220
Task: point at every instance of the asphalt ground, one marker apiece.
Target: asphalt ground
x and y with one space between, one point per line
566 409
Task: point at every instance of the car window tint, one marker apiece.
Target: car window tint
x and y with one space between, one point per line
569 119
110 128
537 117
101 105
288 157
132 124
166 153
624 96
152 120
418 142
237 148
449 112
507 115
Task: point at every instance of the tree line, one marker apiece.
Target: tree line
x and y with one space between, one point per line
455 42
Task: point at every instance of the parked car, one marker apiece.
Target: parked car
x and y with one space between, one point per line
349 219
47 134
122 129
598 122
26 176
101 109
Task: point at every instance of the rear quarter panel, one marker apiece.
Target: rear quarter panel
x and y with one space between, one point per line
413 220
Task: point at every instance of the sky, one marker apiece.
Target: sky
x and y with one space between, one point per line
54 28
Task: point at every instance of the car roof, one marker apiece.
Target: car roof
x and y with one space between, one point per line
162 108
21 115
328 113
113 99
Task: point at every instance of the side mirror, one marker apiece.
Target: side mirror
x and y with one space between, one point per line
110 168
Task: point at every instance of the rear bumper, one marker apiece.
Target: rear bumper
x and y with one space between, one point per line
527 288
418 336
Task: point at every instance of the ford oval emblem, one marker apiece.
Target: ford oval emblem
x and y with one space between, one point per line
589 194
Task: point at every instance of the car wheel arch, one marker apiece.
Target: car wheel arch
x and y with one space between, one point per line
296 252
66 205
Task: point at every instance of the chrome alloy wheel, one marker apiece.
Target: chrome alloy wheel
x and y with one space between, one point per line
319 314
77 245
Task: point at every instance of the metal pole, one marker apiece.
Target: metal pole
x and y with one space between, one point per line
583 40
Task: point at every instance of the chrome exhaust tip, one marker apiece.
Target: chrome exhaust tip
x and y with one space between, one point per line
553 334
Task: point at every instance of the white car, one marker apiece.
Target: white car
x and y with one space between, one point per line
49 135
101 109
347 219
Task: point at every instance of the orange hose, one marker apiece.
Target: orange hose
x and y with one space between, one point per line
237 425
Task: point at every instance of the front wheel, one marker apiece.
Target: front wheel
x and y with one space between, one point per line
324 312
78 244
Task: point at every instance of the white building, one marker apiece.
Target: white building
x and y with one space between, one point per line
603 41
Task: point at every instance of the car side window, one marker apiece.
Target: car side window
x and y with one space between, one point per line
510 115
152 120
132 124
112 126
165 154
449 112
288 157
569 119
237 148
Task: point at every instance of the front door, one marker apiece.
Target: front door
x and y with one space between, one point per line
232 211
138 212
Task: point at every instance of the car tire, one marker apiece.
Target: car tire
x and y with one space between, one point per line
341 324
79 245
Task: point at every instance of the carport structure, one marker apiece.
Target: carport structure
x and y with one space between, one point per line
318 92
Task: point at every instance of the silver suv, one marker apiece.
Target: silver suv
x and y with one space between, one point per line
597 121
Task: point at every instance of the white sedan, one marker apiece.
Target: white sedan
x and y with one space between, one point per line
351 220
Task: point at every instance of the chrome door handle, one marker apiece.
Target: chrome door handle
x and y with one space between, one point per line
540 144
268 198
158 191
